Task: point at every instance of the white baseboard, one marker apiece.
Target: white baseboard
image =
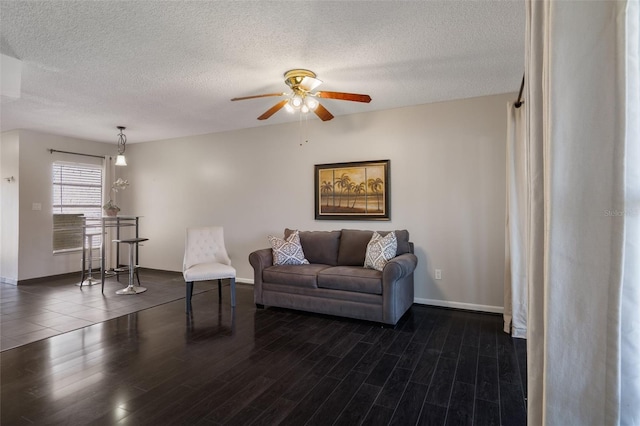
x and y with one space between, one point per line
460 305
8 281
244 280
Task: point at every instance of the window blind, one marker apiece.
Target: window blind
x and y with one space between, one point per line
67 231
77 190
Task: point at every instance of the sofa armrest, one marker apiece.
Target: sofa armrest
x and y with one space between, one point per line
397 287
259 259
399 267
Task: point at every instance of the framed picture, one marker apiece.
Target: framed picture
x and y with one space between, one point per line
352 191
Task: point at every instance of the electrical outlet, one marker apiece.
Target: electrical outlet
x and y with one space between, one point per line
438 274
36 206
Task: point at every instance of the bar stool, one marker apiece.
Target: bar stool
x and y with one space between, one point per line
89 247
133 244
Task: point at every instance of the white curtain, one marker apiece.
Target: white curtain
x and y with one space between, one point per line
109 177
583 156
515 274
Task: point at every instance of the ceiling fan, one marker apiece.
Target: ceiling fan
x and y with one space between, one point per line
301 98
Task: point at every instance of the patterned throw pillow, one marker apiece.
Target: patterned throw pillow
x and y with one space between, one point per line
380 250
289 251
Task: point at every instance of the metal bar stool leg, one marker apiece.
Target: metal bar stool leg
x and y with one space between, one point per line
131 288
89 280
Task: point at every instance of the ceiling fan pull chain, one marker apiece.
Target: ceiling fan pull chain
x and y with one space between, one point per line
300 129
306 128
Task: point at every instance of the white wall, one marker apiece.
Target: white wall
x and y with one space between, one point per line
35 256
447 189
9 213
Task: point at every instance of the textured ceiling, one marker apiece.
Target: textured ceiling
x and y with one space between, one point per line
168 69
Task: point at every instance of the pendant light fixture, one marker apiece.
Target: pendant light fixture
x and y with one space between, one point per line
122 140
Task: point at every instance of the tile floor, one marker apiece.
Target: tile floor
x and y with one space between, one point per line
35 311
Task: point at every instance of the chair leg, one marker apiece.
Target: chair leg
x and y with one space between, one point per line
219 291
232 285
189 294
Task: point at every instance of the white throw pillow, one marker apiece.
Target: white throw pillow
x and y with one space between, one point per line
289 251
380 250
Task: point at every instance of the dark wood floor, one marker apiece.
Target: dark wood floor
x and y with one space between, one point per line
271 366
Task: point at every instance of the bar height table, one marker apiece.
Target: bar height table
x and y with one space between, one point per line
117 223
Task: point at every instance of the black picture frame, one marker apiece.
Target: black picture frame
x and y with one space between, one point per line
358 190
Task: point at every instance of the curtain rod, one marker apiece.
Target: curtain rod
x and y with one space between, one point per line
77 153
519 102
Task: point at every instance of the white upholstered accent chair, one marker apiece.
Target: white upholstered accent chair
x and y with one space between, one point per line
206 258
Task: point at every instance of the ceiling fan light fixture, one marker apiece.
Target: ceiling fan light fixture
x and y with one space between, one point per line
304 108
296 101
289 108
311 103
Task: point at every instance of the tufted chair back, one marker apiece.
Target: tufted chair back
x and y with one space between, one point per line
205 259
204 245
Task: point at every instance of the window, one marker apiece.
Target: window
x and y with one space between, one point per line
77 190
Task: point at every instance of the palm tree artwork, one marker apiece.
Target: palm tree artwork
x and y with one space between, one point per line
343 182
376 187
325 189
357 190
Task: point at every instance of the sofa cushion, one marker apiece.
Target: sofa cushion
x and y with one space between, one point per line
380 250
300 275
351 278
353 245
289 251
278 292
319 246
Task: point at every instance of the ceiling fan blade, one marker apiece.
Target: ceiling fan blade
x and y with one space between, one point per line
323 113
273 109
258 96
344 96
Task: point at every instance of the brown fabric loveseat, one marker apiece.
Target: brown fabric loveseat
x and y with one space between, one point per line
335 281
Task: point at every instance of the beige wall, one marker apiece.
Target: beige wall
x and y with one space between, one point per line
447 189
